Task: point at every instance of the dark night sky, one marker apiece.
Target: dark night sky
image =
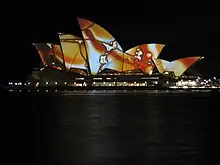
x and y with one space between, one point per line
185 32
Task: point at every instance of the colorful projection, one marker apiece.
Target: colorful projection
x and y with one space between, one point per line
139 57
102 48
73 51
50 54
160 64
57 52
178 67
98 50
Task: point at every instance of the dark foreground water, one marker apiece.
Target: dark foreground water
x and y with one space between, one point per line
110 129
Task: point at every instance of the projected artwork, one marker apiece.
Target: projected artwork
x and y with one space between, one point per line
98 50
74 51
57 52
178 67
102 48
160 64
181 65
44 51
50 54
139 57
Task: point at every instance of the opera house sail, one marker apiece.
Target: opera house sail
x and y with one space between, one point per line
140 57
97 53
50 54
74 52
178 67
102 48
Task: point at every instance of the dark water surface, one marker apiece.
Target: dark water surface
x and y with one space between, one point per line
110 129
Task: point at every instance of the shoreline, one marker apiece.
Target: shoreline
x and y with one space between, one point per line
111 90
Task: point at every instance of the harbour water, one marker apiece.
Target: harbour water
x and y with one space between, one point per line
112 128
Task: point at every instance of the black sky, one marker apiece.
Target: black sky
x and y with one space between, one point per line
185 32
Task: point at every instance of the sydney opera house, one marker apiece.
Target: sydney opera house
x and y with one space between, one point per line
97 60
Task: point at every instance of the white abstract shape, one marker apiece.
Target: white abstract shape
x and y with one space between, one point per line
139 54
103 59
50 45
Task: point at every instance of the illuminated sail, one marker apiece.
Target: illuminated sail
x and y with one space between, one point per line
73 51
44 51
181 65
50 54
140 57
160 64
57 52
102 48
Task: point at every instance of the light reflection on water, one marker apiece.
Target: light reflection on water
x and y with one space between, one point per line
107 92
124 128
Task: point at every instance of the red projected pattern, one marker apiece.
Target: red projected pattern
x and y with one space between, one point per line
139 57
178 67
50 54
44 51
160 64
99 50
103 50
181 65
74 52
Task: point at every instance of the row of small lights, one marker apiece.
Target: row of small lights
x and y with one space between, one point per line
18 83
186 87
61 91
85 90
10 83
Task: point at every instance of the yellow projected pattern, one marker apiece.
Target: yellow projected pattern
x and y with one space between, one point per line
50 54
98 50
178 67
73 51
102 48
139 57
